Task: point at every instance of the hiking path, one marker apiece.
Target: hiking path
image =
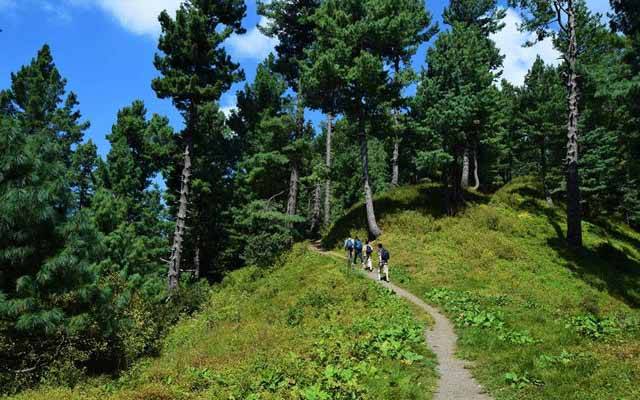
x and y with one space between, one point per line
456 382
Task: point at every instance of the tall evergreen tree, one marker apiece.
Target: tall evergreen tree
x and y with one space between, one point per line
83 173
292 23
349 67
542 105
486 17
483 14
196 70
48 251
541 17
402 26
456 101
263 124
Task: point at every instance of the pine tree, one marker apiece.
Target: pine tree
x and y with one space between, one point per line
49 285
263 123
541 17
482 14
292 24
402 26
83 173
348 67
626 19
456 101
542 105
486 17
195 70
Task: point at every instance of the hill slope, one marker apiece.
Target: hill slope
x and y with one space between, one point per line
539 321
305 330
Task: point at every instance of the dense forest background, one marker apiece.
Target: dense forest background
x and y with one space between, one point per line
100 256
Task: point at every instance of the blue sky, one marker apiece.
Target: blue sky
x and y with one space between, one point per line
105 50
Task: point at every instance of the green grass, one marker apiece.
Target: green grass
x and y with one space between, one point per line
305 330
539 321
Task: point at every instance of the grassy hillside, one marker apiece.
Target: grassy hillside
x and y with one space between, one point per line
539 321
306 330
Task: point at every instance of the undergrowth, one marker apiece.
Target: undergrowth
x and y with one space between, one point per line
538 320
306 330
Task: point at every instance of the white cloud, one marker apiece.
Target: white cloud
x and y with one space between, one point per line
137 16
519 59
141 17
253 44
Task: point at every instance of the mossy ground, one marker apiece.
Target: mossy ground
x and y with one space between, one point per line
307 329
538 320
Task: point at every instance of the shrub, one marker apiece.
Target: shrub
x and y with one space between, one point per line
593 327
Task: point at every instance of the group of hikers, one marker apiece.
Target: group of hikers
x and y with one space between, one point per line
357 250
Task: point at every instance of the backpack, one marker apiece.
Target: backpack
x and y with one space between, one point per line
385 255
349 244
358 246
369 250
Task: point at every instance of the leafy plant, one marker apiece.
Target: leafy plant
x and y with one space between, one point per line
521 381
593 327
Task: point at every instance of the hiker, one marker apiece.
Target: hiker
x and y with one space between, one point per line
383 266
368 252
348 246
357 249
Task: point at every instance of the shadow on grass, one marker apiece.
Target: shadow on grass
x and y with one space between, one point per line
428 199
604 267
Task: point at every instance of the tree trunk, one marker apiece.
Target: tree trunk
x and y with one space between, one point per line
374 230
464 180
292 202
455 196
175 262
475 169
574 213
395 172
315 215
543 171
196 260
395 169
327 185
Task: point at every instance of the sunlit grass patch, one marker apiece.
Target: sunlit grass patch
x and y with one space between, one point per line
306 329
541 322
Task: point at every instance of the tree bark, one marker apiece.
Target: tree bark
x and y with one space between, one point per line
475 169
464 180
196 260
455 196
395 159
543 171
374 230
395 171
175 262
574 213
315 215
292 202
327 185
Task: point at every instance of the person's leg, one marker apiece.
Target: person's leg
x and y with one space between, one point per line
386 271
369 263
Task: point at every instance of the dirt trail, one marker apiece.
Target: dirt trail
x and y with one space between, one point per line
456 382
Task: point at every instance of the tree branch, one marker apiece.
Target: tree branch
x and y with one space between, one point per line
559 11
